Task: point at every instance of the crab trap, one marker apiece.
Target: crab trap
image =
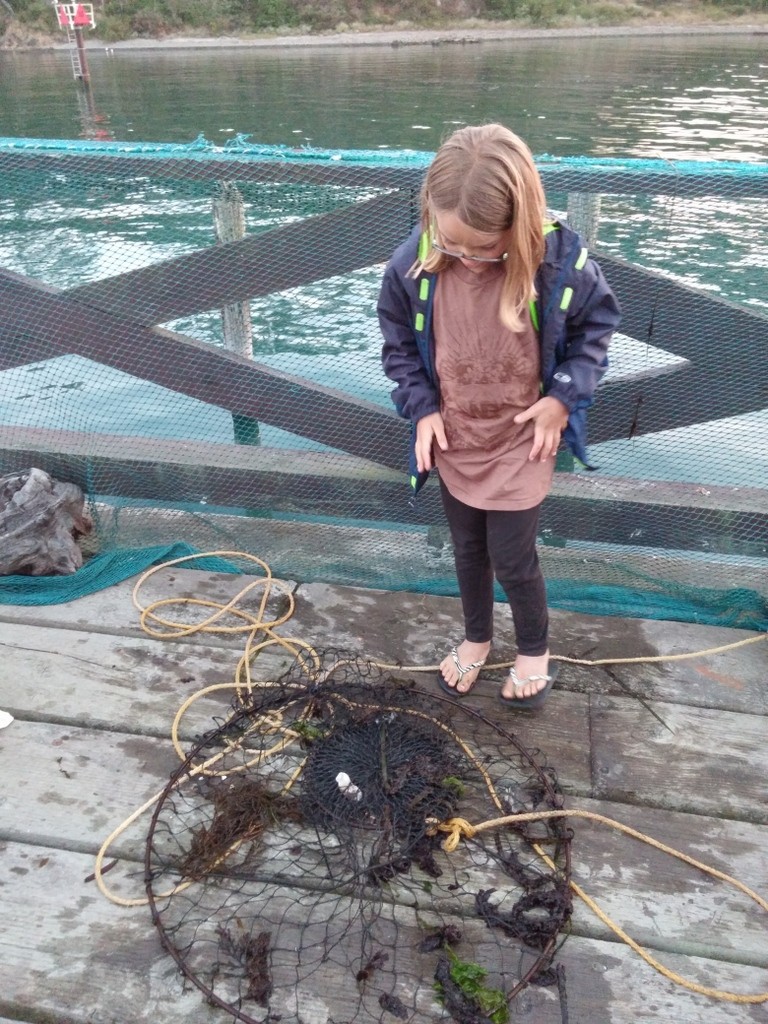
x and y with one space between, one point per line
297 864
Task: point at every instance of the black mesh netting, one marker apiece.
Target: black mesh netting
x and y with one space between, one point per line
294 865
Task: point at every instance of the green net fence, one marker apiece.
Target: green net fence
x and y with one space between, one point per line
189 334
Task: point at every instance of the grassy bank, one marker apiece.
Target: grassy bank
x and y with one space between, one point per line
27 22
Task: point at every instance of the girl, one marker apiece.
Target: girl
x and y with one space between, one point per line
495 325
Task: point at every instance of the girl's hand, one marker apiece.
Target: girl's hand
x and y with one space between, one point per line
428 430
549 417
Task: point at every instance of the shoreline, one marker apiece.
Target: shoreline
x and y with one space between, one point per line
456 35
435 37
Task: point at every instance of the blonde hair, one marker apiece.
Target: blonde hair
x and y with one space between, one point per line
486 177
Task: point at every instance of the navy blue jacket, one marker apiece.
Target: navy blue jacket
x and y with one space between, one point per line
575 313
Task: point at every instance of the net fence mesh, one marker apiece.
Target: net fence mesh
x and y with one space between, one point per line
189 334
294 868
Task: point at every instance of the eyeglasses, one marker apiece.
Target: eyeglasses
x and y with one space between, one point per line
473 259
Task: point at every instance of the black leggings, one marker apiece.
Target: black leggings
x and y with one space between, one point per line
488 542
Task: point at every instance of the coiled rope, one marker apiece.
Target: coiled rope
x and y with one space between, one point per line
456 829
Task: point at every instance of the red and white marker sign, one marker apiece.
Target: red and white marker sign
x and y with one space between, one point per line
75 16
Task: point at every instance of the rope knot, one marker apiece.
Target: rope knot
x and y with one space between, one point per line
457 829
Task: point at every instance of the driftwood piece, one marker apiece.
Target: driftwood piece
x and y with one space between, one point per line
40 521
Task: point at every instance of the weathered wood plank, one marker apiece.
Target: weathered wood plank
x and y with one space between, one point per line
651 302
252 477
253 171
40 323
70 761
357 236
662 902
580 515
562 175
608 982
650 513
416 628
37 324
651 311
112 611
733 680
69 956
125 684
229 226
262 461
353 619
77 784
81 783
93 930
714 762
557 175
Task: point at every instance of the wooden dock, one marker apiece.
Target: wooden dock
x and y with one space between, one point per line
674 749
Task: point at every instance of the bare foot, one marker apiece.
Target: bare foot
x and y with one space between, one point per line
526 666
467 652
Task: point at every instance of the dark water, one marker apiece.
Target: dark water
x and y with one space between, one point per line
680 97
672 97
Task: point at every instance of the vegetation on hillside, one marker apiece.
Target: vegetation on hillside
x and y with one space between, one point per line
22 20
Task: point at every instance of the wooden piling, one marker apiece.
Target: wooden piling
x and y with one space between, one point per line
85 74
229 226
584 215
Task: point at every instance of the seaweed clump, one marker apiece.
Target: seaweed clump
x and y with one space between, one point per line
461 988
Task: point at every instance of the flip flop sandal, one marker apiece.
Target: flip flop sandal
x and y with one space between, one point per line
536 700
462 670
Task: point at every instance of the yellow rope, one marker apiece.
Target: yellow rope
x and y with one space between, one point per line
459 828
648 659
253 624
456 828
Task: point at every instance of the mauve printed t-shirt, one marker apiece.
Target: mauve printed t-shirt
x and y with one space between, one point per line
487 375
